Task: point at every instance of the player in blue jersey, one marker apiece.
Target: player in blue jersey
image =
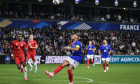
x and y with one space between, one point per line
90 54
72 62
105 51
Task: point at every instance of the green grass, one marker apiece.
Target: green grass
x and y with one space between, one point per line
118 74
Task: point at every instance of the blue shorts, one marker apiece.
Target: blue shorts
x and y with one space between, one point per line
76 58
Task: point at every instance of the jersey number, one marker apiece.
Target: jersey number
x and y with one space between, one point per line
18 47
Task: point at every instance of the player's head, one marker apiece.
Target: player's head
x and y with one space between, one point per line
104 41
90 42
19 37
31 37
74 37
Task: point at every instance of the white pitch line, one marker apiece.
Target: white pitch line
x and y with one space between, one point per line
89 80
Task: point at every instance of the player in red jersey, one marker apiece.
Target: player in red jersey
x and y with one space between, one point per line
17 52
32 46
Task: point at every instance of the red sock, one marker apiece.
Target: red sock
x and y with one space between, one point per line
58 69
92 62
104 66
88 62
70 76
107 65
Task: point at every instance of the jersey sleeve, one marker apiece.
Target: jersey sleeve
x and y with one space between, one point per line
100 48
109 48
77 45
12 45
35 43
87 46
25 46
93 46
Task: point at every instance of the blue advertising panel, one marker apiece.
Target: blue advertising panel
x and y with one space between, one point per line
68 25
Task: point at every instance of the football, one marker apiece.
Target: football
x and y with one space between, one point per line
56 2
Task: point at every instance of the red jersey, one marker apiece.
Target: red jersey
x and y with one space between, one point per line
32 43
18 48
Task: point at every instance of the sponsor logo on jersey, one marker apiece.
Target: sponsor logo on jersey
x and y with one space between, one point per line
106 47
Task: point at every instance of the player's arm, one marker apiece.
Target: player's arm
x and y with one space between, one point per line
93 49
87 48
12 50
109 50
100 50
75 49
35 46
26 51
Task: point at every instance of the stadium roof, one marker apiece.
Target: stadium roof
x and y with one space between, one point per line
103 3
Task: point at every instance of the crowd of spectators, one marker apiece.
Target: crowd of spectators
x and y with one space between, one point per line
66 13
51 40
121 18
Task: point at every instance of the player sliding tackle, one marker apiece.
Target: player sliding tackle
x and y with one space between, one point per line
72 62
17 52
90 54
32 46
106 50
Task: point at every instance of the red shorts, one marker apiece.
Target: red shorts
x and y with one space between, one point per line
32 55
19 59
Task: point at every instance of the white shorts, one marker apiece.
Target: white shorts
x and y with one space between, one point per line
72 62
90 56
106 59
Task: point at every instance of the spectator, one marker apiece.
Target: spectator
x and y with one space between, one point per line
51 40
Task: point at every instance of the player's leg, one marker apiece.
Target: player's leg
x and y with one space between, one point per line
17 61
22 70
103 59
92 60
107 64
31 67
58 69
22 60
18 66
88 58
35 64
34 61
25 70
70 75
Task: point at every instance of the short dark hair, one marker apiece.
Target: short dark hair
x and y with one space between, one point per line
20 35
31 34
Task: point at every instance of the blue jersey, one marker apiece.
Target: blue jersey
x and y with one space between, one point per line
105 50
76 55
90 52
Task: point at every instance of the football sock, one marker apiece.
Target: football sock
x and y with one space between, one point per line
104 66
92 62
70 76
58 69
25 72
107 65
88 62
30 64
35 64
21 66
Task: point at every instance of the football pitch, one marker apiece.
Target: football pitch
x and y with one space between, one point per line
117 74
